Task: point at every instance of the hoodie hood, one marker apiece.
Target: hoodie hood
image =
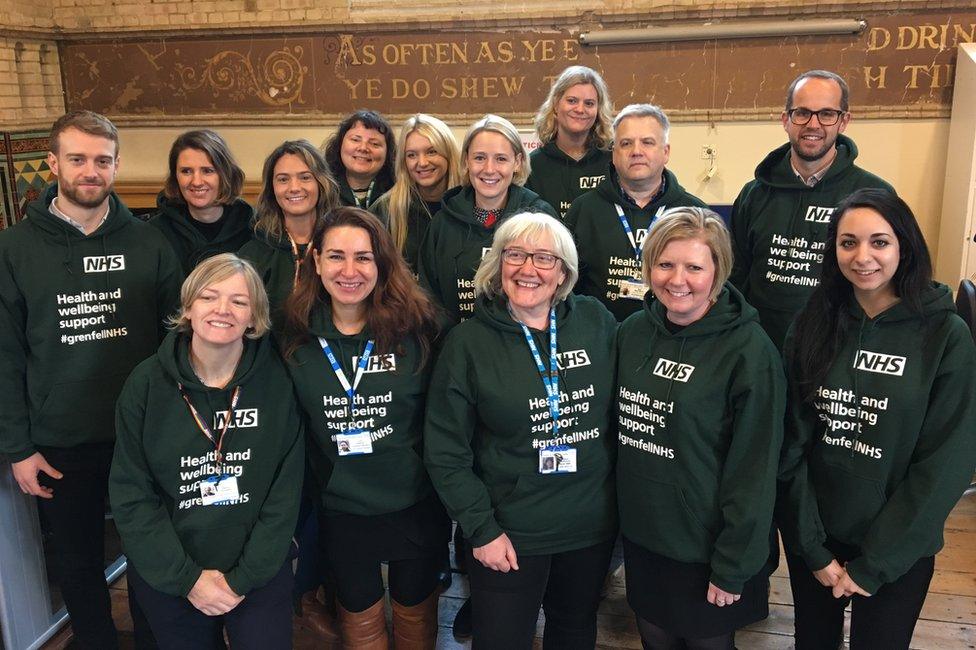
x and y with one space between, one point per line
934 299
674 193
459 202
494 313
192 246
776 170
60 232
729 311
174 357
557 155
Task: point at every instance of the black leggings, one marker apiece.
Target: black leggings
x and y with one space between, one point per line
655 638
566 585
359 583
885 620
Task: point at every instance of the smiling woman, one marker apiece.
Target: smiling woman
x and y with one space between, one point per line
360 155
208 548
200 210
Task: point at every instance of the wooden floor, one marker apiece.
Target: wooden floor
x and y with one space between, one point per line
948 619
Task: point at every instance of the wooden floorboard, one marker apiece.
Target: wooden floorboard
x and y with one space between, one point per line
948 619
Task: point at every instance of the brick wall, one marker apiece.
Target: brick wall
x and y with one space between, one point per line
30 83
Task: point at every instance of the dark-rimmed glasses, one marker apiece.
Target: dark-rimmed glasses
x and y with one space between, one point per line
825 116
541 261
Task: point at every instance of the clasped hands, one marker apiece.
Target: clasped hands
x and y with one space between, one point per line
212 595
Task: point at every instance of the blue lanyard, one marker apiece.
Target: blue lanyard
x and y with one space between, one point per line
629 231
550 379
341 376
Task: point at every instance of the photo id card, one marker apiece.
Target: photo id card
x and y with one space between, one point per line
354 442
557 460
216 490
632 289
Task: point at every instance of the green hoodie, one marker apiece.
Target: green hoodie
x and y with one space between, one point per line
161 456
606 255
700 425
484 430
778 230
393 393
381 186
456 242
275 263
560 179
418 220
882 480
77 313
174 220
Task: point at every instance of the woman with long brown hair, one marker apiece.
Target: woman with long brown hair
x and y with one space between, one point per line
358 339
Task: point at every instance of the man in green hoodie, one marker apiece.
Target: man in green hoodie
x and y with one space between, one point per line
609 224
780 218
83 293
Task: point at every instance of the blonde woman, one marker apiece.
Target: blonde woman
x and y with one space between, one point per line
427 165
494 166
573 125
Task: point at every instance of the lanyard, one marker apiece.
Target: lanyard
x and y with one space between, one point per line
296 258
369 194
218 443
550 379
630 232
341 376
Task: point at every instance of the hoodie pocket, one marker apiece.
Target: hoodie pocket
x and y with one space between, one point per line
83 410
376 483
657 515
218 547
848 502
557 506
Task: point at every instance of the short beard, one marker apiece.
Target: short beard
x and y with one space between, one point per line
72 196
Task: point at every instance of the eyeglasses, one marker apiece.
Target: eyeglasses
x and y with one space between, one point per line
541 261
826 116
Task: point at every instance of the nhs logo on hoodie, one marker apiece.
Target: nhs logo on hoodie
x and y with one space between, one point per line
886 364
673 370
243 418
819 214
378 363
103 263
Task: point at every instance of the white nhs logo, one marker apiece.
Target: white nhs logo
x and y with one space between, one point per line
103 263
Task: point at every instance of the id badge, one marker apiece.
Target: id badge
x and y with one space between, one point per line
632 289
217 490
557 460
354 442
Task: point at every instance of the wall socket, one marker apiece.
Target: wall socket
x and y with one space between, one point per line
708 152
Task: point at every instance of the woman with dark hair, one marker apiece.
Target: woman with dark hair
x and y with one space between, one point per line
200 210
700 404
296 190
360 155
427 165
494 165
573 125
880 429
359 335
207 470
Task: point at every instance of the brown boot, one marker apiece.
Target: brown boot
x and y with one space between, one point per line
314 622
364 630
415 628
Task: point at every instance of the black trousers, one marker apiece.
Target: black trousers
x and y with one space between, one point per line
262 621
884 621
75 522
505 606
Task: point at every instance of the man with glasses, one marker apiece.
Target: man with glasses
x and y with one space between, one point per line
779 220
609 224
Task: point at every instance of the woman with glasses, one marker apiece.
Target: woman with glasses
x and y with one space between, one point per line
700 405
494 165
574 127
880 430
518 443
